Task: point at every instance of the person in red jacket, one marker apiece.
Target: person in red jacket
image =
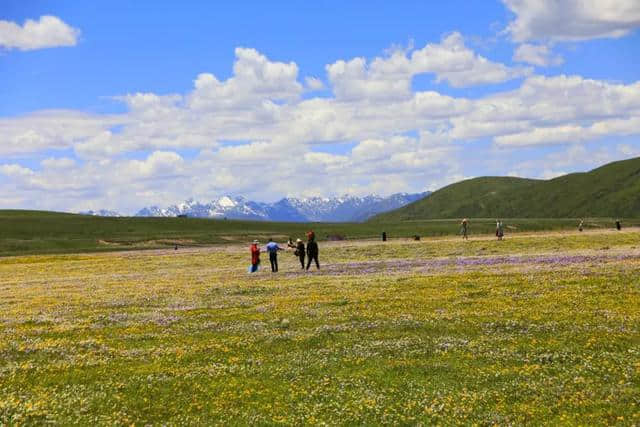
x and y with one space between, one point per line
255 256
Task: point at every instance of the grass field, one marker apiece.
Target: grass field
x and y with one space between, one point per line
542 328
35 232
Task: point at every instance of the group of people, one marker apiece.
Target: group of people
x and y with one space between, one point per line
618 225
464 229
310 252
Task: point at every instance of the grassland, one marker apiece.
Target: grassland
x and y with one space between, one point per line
537 329
34 232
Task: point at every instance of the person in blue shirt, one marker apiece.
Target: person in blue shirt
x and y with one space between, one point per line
273 248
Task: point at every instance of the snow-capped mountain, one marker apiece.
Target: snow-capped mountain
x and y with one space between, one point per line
224 207
101 212
334 209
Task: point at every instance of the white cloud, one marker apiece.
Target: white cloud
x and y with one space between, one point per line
14 170
556 109
571 133
255 80
54 129
574 157
313 83
572 19
353 79
390 77
61 163
540 55
547 135
48 31
403 140
159 164
452 61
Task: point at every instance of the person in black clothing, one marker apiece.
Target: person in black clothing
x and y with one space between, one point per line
618 226
312 253
300 252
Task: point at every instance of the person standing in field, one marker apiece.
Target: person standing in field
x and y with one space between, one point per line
312 251
273 248
464 225
255 257
300 251
500 230
618 225
290 243
581 225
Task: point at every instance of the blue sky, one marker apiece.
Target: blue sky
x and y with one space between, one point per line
118 104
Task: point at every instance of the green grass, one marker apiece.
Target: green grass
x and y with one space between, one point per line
34 232
612 190
190 338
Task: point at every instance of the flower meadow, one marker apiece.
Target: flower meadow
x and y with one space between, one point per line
536 329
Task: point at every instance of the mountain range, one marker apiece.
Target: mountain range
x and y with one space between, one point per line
611 191
313 209
101 212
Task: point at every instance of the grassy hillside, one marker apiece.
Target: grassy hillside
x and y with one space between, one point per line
611 191
35 232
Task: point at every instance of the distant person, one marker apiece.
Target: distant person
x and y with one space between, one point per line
255 256
618 225
273 248
312 252
384 236
581 226
300 252
499 230
464 228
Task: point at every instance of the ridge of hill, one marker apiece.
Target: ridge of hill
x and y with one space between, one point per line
612 190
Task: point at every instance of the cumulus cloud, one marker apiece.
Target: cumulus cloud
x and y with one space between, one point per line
574 157
54 129
255 80
572 19
159 164
540 55
390 77
254 134
453 62
15 170
571 133
546 110
313 83
48 31
58 163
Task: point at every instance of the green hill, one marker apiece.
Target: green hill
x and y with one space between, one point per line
612 190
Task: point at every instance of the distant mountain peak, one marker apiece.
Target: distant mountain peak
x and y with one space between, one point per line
101 212
343 208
